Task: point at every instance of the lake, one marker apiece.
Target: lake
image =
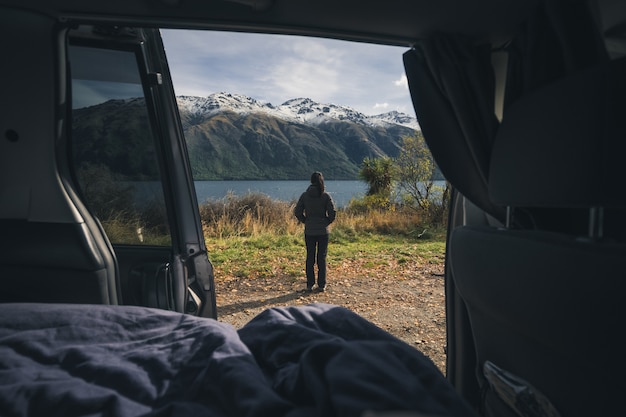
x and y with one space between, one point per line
342 191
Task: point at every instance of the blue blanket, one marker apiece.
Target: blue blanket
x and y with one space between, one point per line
318 360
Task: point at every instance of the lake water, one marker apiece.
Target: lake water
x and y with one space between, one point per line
342 191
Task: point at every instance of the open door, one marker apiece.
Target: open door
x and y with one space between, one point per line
129 160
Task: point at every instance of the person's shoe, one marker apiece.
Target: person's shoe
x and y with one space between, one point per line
321 289
308 289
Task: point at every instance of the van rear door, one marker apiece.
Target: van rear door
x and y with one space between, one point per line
129 159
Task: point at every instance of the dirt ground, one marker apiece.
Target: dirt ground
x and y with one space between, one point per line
406 300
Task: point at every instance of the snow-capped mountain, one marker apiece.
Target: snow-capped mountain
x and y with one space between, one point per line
395 117
232 136
302 110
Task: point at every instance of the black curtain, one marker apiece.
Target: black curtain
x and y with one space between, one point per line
562 37
453 88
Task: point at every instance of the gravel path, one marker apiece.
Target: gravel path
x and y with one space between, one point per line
405 299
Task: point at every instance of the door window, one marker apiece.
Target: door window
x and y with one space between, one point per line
113 147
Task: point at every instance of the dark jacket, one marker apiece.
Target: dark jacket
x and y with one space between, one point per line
315 211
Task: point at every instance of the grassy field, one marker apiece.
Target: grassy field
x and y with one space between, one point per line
264 255
254 236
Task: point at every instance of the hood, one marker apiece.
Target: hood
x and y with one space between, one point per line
313 191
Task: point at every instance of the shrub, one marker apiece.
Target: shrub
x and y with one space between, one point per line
248 215
368 203
378 174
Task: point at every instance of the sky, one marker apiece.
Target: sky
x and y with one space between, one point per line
276 68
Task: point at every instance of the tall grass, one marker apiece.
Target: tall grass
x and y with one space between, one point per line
256 214
383 222
136 228
254 236
253 214
257 217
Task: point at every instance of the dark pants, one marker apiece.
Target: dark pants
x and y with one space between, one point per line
313 243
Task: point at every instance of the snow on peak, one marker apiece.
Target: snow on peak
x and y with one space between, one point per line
395 117
303 110
219 102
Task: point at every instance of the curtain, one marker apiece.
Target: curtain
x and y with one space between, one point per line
562 37
452 88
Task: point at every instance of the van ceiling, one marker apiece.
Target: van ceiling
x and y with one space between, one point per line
398 22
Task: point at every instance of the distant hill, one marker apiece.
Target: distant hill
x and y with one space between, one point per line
232 136
236 137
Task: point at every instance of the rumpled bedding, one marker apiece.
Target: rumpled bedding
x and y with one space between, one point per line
315 360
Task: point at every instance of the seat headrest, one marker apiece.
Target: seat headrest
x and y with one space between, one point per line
564 145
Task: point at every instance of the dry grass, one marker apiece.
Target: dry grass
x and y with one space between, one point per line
253 214
256 214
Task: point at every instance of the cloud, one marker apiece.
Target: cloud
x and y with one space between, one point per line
379 106
276 68
303 67
402 81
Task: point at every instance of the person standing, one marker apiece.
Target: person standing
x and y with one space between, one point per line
316 209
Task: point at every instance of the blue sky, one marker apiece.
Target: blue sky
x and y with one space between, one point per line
276 68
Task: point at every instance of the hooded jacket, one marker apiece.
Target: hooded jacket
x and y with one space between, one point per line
316 211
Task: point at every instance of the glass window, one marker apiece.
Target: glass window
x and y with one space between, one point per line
113 146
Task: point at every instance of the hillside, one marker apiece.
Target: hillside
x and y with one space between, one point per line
236 137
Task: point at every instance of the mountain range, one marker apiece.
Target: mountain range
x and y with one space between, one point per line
298 110
232 136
